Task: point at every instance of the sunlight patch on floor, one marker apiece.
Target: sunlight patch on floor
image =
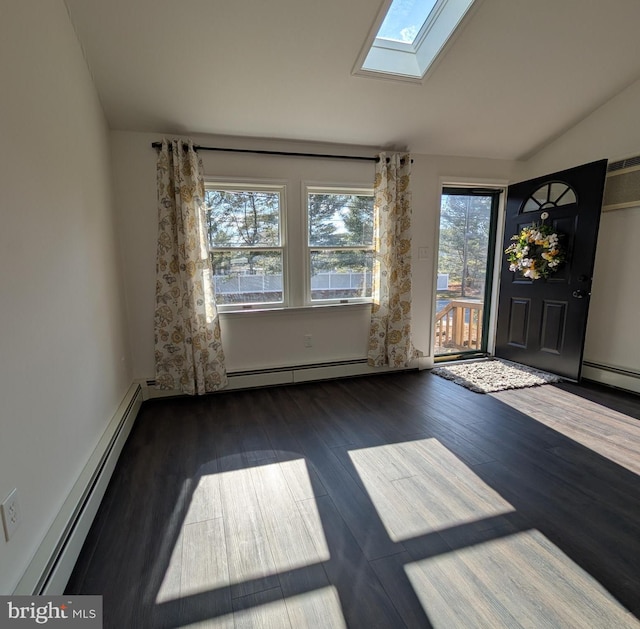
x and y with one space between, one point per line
420 487
240 526
519 580
611 434
314 609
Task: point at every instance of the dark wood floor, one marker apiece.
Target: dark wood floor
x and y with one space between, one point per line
387 501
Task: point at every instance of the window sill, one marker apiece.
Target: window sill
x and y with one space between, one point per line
292 310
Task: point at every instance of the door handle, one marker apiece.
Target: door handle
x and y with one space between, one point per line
580 294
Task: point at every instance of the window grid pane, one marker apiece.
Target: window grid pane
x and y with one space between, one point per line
341 274
340 219
243 218
244 231
247 277
340 240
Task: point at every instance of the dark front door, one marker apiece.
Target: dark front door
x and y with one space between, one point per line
542 322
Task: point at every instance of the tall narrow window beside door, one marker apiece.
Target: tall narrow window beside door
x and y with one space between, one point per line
465 268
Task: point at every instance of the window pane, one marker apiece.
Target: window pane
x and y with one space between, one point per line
341 274
531 206
463 258
542 194
340 220
564 195
404 19
550 196
247 277
243 218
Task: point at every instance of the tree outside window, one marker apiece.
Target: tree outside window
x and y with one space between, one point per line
340 242
244 229
464 238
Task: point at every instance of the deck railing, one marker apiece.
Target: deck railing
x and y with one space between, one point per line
458 325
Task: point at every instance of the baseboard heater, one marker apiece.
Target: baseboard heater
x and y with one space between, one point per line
56 556
271 376
619 377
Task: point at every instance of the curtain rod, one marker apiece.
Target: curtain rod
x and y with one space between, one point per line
157 145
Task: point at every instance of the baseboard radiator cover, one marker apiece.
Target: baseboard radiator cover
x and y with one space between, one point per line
273 376
51 566
611 375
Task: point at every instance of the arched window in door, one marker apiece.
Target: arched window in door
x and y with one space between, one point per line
550 196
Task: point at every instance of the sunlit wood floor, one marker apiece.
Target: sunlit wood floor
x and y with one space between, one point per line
387 501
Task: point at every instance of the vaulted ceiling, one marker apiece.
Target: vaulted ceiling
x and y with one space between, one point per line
517 75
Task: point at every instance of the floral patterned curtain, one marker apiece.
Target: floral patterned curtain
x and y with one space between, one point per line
390 332
188 349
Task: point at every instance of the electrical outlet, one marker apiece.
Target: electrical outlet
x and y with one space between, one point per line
308 340
10 514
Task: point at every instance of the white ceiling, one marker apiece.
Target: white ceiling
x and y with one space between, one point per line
518 74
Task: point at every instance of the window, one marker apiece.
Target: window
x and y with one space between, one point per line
253 266
339 244
246 243
404 19
550 196
411 36
468 219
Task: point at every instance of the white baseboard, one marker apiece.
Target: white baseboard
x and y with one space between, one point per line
284 375
54 560
619 377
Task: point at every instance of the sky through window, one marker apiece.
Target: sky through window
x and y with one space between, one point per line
404 19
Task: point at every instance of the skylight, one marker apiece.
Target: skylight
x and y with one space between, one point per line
404 20
412 34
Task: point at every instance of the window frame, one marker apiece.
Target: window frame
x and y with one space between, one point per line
310 187
234 184
391 59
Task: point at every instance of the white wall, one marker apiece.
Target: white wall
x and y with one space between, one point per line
610 132
64 363
256 340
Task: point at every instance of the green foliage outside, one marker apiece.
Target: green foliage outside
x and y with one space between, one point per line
464 239
242 224
243 219
340 220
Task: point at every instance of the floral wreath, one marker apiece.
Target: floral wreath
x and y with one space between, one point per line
536 252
